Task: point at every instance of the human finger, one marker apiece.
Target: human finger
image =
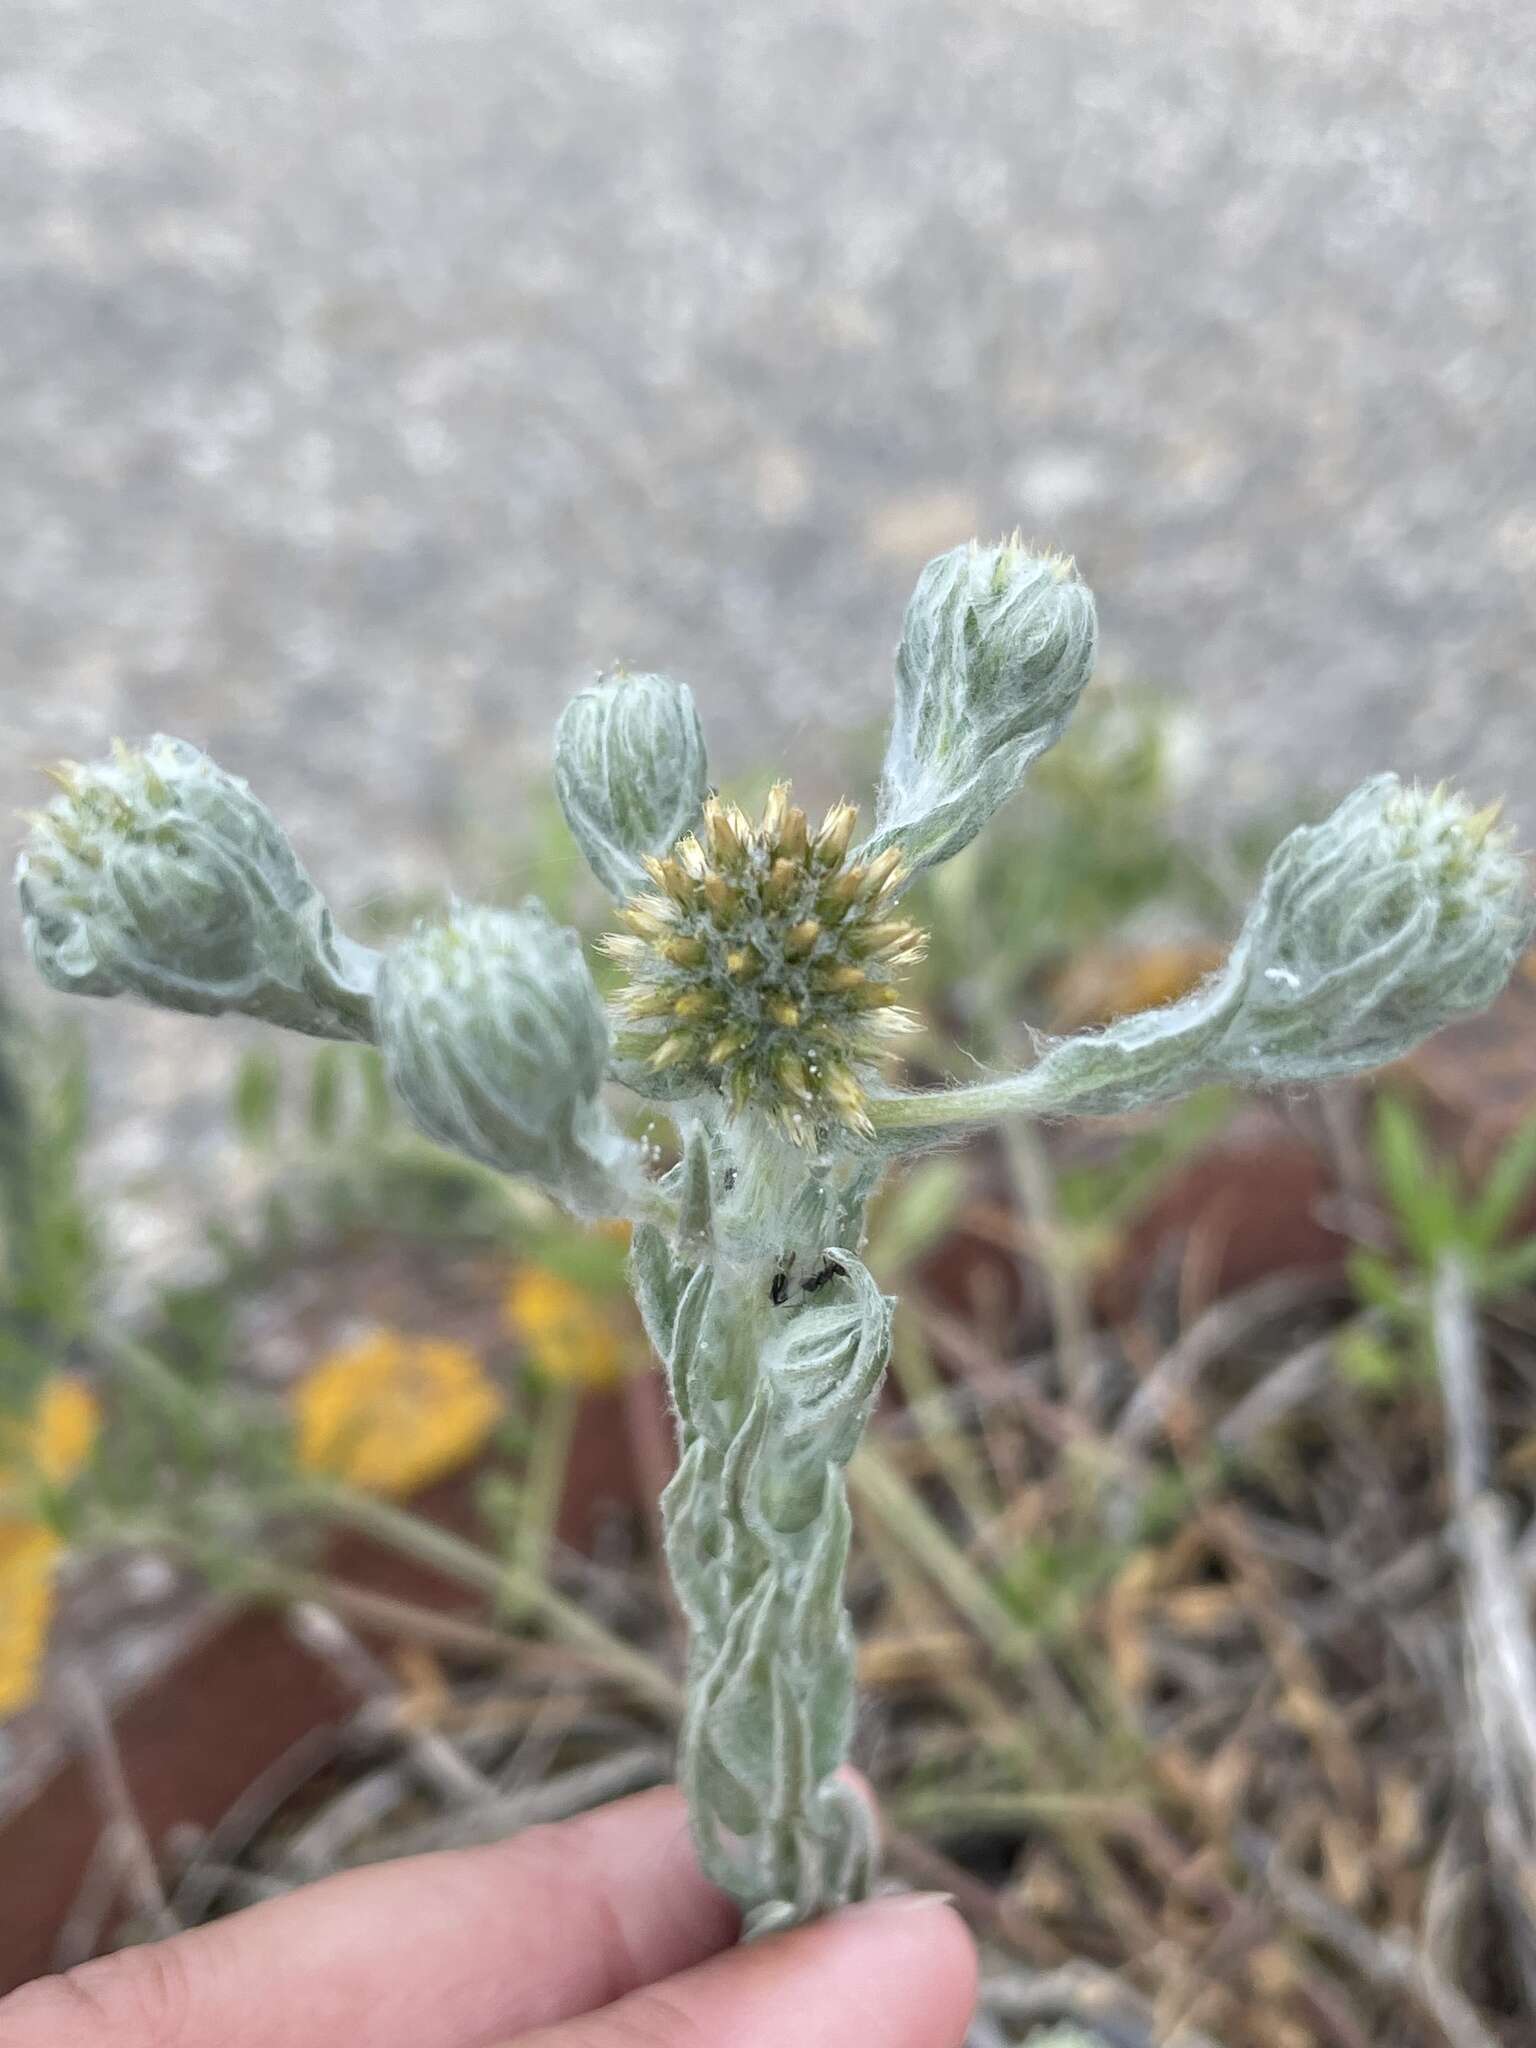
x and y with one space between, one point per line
455 1950
897 1973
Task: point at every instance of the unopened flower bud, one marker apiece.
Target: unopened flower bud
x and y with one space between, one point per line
1401 911
995 650
494 1037
630 772
156 874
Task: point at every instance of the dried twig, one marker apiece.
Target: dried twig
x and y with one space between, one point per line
80 1932
986 2033
1501 1657
1390 1962
322 1843
201 1882
1278 1394
130 1843
1029 1168
572 1792
1001 1383
1095 1998
1208 1337
432 1756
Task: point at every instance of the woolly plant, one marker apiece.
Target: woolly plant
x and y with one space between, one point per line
761 960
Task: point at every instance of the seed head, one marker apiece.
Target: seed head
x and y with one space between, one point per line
761 965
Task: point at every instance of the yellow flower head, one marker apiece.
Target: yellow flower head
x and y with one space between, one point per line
393 1412
54 1441
49 1445
28 1554
566 1335
761 963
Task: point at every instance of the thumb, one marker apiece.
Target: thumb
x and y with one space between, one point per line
897 1973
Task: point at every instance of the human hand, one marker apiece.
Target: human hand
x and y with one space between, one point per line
596 1933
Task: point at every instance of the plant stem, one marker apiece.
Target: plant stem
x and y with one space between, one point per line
880 1489
450 1554
543 1488
168 1392
1029 1168
757 1537
913 1369
508 1584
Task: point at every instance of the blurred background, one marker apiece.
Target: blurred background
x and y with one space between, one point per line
373 372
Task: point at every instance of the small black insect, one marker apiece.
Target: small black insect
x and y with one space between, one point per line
830 1271
778 1293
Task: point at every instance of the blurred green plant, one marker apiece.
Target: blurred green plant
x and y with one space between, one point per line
1437 1214
1097 1199
341 1160
1097 846
50 1256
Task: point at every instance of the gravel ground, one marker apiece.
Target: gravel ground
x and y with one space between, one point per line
372 371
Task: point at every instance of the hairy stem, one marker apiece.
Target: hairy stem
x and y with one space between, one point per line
773 1360
757 1538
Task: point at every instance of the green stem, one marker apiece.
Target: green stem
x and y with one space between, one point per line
1029 1169
880 1489
953 1809
178 1403
504 1583
1132 1064
757 1536
543 1489
926 1397
510 1585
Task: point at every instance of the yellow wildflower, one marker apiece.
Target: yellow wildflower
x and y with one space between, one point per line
565 1334
393 1412
50 1444
28 1554
64 1428
54 1441
763 963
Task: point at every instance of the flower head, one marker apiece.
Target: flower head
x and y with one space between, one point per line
495 1038
393 1412
761 965
567 1336
1400 912
156 874
54 1439
996 648
46 1447
630 772
29 1555
1404 909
